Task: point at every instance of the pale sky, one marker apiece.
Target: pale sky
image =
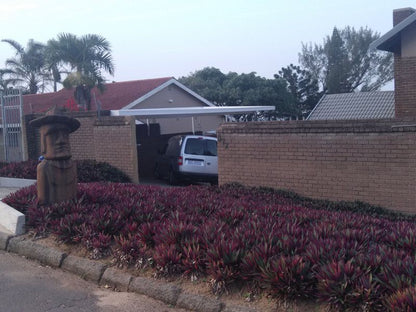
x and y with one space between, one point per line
166 38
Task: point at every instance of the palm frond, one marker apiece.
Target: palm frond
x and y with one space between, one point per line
19 49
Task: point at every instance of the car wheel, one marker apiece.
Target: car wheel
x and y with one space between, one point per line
172 178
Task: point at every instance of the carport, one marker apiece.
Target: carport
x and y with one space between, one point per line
148 145
190 112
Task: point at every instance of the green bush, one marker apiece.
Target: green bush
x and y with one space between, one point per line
93 171
87 170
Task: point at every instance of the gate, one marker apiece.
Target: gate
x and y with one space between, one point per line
12 119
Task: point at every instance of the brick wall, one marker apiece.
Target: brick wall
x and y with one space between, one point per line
108 139
370 161
405 86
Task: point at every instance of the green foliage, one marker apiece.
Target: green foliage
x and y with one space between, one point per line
20 170
343 63
93 171
302 86
27 67
5 80
208 83
87 170
86 56
234 89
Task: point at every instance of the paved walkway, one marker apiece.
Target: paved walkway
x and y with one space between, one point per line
4 191
27 286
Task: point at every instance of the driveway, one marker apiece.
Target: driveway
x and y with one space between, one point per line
27 286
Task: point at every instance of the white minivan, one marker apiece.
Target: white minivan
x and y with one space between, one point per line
188 157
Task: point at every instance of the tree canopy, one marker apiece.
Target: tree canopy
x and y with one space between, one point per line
5 83
343 62
242 89
302 86
80 59
86 56
27 67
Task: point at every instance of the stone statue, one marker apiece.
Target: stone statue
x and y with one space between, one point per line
56 173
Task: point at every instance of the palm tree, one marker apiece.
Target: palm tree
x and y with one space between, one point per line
5 82
27 67
86 56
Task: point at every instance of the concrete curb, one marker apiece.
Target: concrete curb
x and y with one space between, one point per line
116 278
14 182
100 274
86 269
198 303
35 251
237 309
158 290
4 240
11 219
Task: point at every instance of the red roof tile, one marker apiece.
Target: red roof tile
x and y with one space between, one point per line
116 95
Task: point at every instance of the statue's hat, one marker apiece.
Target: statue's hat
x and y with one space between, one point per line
56 116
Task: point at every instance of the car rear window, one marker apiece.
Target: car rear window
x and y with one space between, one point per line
201 147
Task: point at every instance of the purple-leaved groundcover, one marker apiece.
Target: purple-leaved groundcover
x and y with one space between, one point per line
350 256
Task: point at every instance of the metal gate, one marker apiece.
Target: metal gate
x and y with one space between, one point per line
12 117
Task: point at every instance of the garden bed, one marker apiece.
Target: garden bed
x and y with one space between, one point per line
267 242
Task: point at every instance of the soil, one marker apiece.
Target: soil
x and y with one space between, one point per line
238 295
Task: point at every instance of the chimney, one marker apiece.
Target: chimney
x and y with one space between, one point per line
401 14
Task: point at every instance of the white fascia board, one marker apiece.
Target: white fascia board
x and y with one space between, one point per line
161 87
190 111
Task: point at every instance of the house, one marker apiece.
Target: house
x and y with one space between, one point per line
400 40
359 105
161 108
138 94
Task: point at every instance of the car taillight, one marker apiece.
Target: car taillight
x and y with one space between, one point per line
180 161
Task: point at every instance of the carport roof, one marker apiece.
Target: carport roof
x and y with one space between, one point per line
190 111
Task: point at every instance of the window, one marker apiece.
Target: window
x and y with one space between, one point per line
211 149
201 147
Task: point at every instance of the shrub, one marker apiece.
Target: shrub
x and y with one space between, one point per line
402 300
290 277
351 261
93 171
21 170
87 170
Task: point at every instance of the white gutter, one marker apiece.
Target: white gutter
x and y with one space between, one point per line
190 111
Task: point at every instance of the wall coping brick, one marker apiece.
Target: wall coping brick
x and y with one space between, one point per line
319 126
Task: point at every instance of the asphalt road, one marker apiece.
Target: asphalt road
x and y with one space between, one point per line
26 285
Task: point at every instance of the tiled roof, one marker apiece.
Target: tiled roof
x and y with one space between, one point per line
116 95
359 105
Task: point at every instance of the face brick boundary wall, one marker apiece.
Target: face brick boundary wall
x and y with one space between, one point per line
370 161
105 139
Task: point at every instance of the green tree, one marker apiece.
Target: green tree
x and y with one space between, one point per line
242 89
5 81
27 66
343 63
207 82
302 86
87 57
